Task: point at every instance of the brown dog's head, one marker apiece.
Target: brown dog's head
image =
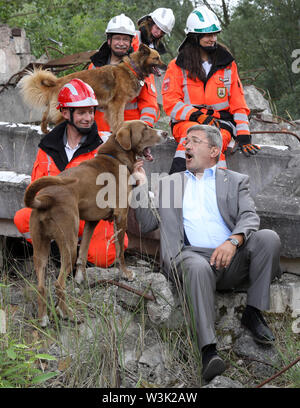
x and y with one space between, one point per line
148 60
137 136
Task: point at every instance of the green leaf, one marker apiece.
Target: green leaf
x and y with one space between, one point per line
44 377
46 357
11 354
22 346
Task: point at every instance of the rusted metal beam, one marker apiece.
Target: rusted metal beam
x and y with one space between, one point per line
121 285
276 131
279 373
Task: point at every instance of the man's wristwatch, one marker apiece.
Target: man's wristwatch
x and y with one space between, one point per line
234 241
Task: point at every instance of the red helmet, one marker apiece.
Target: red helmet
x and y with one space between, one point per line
76 94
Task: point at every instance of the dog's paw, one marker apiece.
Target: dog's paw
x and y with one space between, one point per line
79 276
128 275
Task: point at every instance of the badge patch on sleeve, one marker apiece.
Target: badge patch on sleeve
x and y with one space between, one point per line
166 84
221 92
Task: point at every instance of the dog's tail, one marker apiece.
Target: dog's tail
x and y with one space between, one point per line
35 87
44 201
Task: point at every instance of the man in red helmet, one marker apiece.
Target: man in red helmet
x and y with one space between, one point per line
67 145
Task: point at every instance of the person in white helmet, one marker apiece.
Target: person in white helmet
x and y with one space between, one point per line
202 85
120 32
153 27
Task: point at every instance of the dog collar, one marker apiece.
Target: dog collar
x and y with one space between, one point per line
137 72
109 155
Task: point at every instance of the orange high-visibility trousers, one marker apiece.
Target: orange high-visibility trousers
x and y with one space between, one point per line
102 250
180 131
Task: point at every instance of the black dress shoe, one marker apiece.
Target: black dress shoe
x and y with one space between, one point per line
213 367
253 320
212 364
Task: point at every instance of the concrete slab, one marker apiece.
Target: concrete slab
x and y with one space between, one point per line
290 265
13 109
274 182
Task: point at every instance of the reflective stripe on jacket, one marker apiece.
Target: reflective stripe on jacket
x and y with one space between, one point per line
223 91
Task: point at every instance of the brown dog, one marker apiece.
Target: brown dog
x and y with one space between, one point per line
75 194
114 86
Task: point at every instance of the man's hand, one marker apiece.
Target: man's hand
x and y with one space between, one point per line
222 255
139 173
243 142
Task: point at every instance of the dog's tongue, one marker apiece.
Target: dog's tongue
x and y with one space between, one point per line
147 154
156 71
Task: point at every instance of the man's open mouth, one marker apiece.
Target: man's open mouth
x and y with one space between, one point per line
188 156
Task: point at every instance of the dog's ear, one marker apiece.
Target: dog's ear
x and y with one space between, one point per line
123 137
144 49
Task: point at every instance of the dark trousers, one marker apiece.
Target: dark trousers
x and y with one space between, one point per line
254 265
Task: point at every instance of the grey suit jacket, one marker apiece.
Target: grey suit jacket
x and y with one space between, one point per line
234 201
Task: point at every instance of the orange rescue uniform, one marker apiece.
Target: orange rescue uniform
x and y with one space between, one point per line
222 91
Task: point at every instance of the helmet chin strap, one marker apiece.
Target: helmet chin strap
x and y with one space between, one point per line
83 131
209 50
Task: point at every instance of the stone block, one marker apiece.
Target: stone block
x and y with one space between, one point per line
12 196
255 100
18 147
290 265
285 294
223 382
261 168
14 52
14 110
10 64
279 208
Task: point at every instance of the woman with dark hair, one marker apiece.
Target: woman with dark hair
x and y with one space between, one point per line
202 85
153 27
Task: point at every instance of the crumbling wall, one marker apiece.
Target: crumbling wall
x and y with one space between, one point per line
15 55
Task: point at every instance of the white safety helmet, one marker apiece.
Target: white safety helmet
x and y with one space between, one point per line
164 19
202 21
120 25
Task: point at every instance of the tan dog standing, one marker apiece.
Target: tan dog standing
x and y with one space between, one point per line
72 195
114 86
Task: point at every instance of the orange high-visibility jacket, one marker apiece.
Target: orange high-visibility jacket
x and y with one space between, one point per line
102 250
143 107
222 91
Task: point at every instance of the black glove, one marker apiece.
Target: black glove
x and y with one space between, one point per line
204 119
244 143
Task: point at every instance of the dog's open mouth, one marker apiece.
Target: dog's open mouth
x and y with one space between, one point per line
156 70
147 154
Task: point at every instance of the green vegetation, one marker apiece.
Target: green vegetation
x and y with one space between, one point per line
102 347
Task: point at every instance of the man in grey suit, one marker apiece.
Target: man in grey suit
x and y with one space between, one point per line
209 239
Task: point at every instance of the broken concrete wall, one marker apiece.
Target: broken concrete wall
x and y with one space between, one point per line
15 52
15 55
